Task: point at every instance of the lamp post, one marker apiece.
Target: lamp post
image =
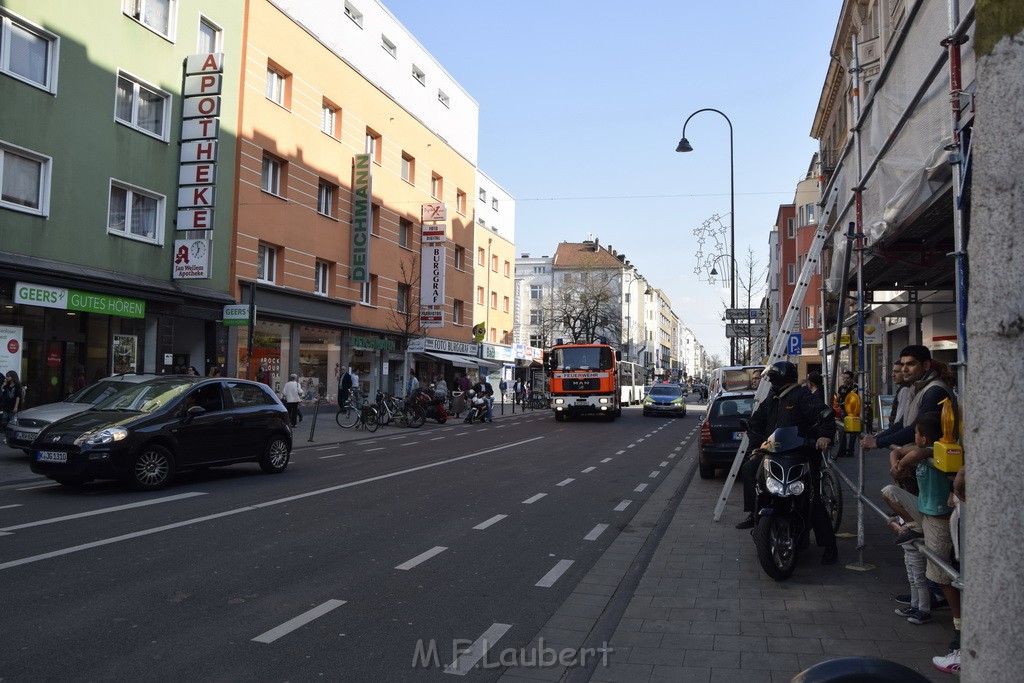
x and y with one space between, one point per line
684 146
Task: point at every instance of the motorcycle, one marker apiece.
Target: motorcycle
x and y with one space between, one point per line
785 495
433 406
476 407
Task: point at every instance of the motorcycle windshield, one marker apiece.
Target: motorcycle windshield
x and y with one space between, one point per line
785 439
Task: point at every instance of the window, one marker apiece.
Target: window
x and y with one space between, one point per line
494 263
404 298
375 219
494 335
540 269
535 317
508 269
810 214
270 175
790 228
408 168
494 300
536 340
436 186
322 278
354 14
460 257
809 316
800 215
329 119
457 312
24 180
155 14
480 295
443 99
134 212
480 257
504 304
460 201
483 195
418 74
404 232
277 85
373 145
141 106
388 46
791 273
266 264
536 291
210 37
368 292
28 53
325 194
494 203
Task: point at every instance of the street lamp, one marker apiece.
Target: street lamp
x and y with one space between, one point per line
684 146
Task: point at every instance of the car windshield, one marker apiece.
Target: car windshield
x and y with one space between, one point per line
99 392
148 396
666 390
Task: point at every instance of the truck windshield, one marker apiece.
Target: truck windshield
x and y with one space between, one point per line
583 358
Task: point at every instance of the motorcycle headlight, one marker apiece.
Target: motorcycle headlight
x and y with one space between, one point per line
796 488
775 487
102 437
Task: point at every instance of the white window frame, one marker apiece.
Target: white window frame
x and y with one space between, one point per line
483 195
321 277
325 208
388 46
791 273
436 186
408 168
9 20
481 296
366 293
403 298
535 316
266 264
457 307
790 228
494 203
218 35
405 228
137 10
45 169
277 84
329 118
419 75
444 99
137 86
159 225
460 257
275 178
536 292
353 13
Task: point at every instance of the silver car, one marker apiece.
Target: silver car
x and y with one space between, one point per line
24 426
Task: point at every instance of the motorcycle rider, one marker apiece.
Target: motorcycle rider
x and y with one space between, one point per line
484 389
788 406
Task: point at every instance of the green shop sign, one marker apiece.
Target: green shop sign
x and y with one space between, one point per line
75 300
373 343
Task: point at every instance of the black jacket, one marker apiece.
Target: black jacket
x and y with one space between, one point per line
794 408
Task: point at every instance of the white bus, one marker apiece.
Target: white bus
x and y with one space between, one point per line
632 378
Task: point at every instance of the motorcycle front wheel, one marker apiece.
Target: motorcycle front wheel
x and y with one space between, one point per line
776 540
832 497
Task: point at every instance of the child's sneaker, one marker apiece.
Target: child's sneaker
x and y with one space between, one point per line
950 663
919 617
908 536
905 611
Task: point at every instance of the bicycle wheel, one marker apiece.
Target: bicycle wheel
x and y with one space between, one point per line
347 416
369 417
383 415
832 497
417 416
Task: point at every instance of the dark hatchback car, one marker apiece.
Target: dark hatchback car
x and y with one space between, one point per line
721 431
165 425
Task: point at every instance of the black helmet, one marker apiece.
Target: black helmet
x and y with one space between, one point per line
780 374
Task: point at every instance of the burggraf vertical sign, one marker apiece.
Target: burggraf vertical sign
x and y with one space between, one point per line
432 260
362 217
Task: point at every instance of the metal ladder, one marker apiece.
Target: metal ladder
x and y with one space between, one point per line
790 323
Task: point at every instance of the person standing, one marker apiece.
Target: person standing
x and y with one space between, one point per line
847 442
357 390
814 385
12 395
413 384
441 388
292 393
344 387
901 394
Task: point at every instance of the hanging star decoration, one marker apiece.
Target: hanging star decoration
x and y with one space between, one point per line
711 235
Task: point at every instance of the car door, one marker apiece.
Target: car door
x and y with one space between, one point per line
257 414
207 438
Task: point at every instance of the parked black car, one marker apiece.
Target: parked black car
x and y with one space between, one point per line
721 432
145 435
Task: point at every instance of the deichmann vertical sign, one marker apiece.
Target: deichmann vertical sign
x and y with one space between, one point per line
432 270
197 173
75 300
362 217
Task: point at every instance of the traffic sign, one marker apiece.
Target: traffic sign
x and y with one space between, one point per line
745 314
744 330
795 345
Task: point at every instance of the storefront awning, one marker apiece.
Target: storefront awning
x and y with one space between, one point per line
462 361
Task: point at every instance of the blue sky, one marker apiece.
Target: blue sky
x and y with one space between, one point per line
582 104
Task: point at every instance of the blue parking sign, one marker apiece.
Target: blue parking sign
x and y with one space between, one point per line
795 345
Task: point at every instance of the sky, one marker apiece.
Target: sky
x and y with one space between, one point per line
582 104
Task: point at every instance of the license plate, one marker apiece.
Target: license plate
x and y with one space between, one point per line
52 456
24 436
737 436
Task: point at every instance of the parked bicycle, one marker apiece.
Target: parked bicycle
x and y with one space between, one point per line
391 409
349 415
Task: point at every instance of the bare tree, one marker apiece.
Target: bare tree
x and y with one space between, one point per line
585 306
404 314
750 286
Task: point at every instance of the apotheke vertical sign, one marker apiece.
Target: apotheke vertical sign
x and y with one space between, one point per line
200 127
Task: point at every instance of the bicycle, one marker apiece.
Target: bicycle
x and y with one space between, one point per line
350 416
538 403
390 408
830 491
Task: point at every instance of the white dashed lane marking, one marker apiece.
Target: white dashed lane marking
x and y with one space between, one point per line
534 499
299 621
556 572
565 482
640 487
595 532
422 557
622 506
588 470
475 652
490 522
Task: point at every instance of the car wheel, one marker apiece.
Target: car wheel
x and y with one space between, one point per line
707 471
276 456
152 469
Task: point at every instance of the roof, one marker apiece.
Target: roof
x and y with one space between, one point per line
584 255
